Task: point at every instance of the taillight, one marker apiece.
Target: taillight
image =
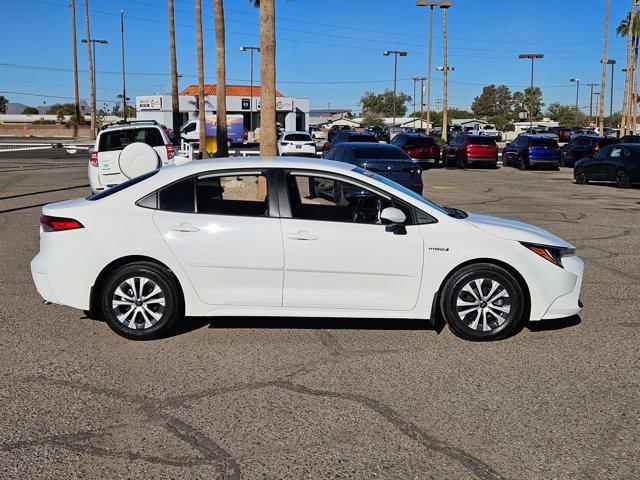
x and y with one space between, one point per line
170 152
93 160
596 148
59 224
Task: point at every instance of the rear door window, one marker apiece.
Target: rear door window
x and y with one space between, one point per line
118 139
179 196
239 195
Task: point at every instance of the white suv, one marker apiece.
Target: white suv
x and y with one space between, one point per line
126 150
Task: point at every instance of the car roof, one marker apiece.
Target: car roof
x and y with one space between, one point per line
294 132
538 136
367 145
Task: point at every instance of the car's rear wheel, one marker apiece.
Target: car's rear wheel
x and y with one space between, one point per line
622 179
522 164
141 301
483 302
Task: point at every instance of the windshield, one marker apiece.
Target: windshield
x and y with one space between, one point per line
399 187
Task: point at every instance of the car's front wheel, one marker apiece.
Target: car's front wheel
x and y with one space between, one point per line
622 179
483 302
141 301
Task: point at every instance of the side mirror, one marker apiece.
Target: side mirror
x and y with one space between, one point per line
508 144
392 216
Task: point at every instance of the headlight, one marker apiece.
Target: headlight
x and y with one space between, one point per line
552 254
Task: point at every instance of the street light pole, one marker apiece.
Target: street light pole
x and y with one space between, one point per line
431 4
611 62
395 54
577 82
124 82
444 6
533 57
422 79
250 50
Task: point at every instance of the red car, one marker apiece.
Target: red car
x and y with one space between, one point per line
422 149
463 150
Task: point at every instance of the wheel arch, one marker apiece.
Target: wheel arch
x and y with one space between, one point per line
94 300
435 307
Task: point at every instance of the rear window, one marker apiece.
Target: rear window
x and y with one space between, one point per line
122 186
481 141
298 137
361 138
421 142
543 142
381 152
118 139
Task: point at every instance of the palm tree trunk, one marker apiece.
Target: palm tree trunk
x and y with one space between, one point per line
76 109
628 81
202 140
268 132
91 79
635 85
604 66
221 81
175 103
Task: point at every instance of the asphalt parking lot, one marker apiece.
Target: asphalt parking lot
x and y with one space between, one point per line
300 398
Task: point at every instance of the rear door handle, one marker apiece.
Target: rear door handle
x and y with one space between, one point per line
302 235
184 227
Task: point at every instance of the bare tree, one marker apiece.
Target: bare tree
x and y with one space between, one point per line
175 103
268 133
91 79
75 69
221 81
202 140
604 66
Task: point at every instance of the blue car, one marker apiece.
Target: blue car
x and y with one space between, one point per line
386 160
528 151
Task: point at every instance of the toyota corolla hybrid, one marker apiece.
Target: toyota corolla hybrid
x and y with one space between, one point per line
246 237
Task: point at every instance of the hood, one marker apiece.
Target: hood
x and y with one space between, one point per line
513 230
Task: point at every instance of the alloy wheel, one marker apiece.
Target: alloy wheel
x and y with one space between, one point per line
138 303
483 304
622 179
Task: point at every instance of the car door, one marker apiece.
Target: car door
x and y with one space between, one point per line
224 230
612 162
337 253
594 168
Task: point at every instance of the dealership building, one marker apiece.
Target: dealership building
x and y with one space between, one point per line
291 113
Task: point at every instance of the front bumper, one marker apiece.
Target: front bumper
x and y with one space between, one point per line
568 304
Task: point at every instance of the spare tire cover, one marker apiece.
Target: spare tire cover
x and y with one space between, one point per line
138 158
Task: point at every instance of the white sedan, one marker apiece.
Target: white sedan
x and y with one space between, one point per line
245 237
297 144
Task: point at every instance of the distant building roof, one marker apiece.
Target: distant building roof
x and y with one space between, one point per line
232 90
328 112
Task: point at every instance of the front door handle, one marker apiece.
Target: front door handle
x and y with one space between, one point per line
302 235
184 227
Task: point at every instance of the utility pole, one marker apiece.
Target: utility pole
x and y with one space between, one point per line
91 46
422 103
124 82
611 62
533 57
591 86
604 67
395 54
415 79
577 82
597 95
251 50
431 4
444 6
75 69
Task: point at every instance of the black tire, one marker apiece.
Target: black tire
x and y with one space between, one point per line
460 163
581 178
522 165
622 179
467 326
505 160
155 276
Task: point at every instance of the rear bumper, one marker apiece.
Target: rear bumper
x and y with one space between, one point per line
544 161
482 159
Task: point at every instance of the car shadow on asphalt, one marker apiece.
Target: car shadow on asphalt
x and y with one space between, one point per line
555 324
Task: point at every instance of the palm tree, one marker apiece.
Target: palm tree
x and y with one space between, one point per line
175 103
268 134
202 140
91 79
76 109
221 82
604 66
630 97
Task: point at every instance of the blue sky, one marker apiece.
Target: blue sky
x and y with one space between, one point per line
329 51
